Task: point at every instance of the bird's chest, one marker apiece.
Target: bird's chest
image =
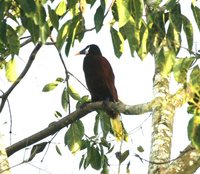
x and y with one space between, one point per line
92 66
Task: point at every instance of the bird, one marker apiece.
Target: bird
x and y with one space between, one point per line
100 81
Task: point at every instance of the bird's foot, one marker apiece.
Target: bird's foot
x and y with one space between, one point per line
83 105
106 103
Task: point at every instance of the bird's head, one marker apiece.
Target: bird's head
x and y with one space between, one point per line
90 49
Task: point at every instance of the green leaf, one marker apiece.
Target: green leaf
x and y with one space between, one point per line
104 122
180 69
58 150
57 114
60 79
40 16
95 161
194 131
103 4
88 158
98 18
11 70
50 86
122 156
196 13
64 99
44 32
154 5
38 148
20 30
170 4
174 38
154 40
85 144
2 9
140 149
85 99
72 33
74 135
159 25
29 7
62 35
43 1
91 2
72 92
13 40
31 26
53 18
188 29
194 103
143 49
74 7
80 30
175 17
3 28
123 12
115 12
105 169
130 31
61 8
118 42
105 166
138 4
81 161
96 125
190 128
110 149
165 61
195 79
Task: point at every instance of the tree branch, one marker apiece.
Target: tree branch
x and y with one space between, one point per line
187 162
21 76
79 113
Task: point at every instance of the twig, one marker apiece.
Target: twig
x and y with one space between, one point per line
78 80
9 108
113 1
66 72
21 76
187 150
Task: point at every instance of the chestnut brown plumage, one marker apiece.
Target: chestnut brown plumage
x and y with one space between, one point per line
100 81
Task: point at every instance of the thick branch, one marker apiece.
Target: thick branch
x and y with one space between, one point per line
21 76
56 126
187 163
162 126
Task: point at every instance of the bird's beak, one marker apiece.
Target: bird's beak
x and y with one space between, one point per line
77 53
81 52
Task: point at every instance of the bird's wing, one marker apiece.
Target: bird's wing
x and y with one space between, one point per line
109 78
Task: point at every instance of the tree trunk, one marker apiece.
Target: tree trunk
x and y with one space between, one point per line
162 126
4 164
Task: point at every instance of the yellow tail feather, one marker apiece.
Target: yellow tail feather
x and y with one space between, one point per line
118 129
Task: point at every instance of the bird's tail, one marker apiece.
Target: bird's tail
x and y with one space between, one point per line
118 128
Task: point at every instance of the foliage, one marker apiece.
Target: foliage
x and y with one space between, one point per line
155 29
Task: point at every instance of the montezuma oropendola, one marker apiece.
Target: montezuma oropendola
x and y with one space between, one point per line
100 82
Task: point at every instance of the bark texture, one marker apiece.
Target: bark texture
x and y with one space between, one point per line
162 131
4 164
162 126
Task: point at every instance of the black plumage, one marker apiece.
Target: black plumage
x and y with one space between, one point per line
100 81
